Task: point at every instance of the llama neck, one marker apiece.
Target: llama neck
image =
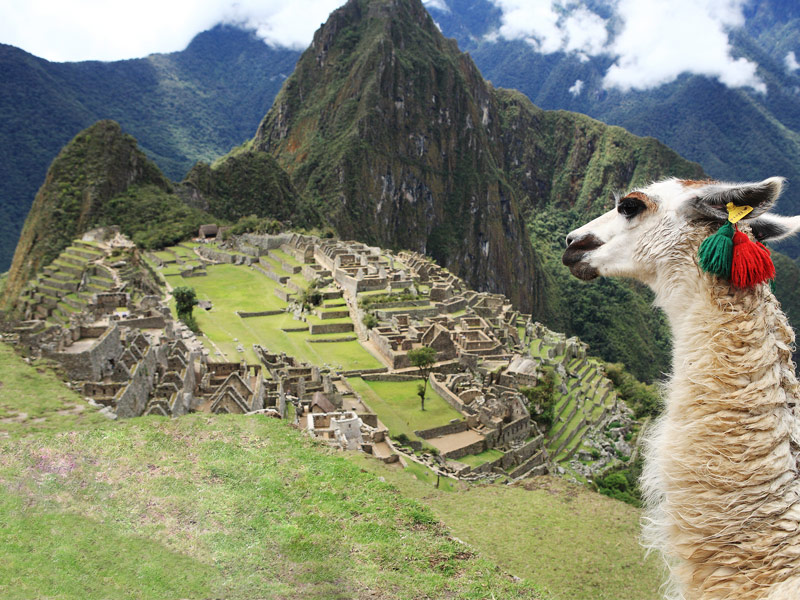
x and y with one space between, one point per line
723 459
732 349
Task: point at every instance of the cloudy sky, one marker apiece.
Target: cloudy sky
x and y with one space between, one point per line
650 42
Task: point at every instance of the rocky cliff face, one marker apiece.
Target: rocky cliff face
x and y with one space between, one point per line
391 131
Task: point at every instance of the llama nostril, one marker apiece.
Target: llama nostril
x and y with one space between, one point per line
585 242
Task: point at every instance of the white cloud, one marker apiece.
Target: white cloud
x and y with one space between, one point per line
791 62
109 30
548 27
585 32
534 21
662 39
576 88
439 5
654 42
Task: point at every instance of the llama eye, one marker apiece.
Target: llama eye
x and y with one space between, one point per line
630 207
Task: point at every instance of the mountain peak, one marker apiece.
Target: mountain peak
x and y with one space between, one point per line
392 130
98 164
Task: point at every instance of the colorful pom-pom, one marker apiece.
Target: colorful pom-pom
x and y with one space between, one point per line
716 252
751 262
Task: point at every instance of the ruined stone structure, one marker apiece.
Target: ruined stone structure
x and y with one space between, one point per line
122 349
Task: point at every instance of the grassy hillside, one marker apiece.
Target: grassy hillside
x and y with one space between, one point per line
576 544
202 507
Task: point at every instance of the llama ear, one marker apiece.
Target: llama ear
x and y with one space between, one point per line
711 199
771 228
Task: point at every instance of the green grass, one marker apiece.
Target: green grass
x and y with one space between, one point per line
213 507
231 288
397 405
288 259
576 543
235 288
33 399
312 318
165 255
428 477
55 554
476 460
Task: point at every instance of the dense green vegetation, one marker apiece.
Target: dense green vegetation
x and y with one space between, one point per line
99 178
244 184
621 482
151 217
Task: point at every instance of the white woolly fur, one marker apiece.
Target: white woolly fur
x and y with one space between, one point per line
720 482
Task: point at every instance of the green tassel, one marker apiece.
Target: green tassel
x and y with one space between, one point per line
716 252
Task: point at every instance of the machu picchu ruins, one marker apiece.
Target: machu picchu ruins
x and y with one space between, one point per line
100 311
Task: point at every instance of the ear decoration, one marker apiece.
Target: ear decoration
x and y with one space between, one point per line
751 262
716 252
731 255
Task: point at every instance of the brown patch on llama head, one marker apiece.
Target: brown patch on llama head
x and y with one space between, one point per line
696 182
648 202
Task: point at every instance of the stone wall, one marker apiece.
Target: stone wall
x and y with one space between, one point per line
215 255
389 377
332 314
414 313
474 448
515 431
448 429
95 362
445 393
282 279
453 306
284 295
132 401
267 242
144 323
317 329
529 465
397 304
264 313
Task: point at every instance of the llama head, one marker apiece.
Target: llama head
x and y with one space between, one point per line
653 233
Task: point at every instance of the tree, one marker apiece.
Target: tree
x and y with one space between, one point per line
423 358
185 301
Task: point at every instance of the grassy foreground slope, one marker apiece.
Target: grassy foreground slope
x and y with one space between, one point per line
576 544
202 507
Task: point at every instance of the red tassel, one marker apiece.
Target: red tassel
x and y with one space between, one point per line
751 262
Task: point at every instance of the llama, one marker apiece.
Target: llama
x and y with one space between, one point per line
721 483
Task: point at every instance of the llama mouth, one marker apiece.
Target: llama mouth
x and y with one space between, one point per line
584 271
573 258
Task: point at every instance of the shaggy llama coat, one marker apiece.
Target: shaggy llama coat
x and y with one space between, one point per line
721 471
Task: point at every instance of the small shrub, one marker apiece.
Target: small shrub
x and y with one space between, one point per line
401 438
370 320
